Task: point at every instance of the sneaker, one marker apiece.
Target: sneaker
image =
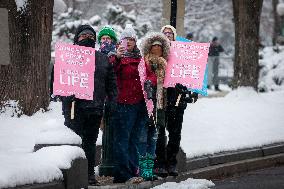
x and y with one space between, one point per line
161 172
172 171
93 181
134 180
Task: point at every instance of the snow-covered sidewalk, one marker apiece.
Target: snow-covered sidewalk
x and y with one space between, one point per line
241 119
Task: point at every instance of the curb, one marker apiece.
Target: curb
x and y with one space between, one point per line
52 185
218 165
232 156
216 171
232 168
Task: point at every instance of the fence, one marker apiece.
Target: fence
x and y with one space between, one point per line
226 69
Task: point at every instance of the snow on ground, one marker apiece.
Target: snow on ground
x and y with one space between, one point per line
38 167
44 128
187 184
19 165
241 119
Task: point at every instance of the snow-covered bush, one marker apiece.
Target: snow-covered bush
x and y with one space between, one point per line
66 24
271 75
59 6
117 17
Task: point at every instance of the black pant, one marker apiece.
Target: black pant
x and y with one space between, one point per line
166 153
86 125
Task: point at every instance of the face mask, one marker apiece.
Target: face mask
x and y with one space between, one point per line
107 47
87 43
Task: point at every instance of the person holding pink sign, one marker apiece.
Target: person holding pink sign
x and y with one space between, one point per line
88 113
166 161
155 48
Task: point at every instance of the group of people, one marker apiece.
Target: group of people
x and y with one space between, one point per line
140 147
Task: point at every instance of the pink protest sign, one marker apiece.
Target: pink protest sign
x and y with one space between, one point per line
186 64
74 71
142 75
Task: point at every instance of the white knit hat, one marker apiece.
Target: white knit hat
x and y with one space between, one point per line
172 28
128 32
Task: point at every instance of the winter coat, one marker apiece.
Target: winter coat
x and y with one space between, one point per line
128 80
215 49
157 65
104 86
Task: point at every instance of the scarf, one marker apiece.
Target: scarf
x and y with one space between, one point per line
158 65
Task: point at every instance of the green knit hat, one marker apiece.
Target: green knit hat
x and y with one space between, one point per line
107 30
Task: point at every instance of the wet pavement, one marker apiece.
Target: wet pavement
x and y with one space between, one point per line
270 178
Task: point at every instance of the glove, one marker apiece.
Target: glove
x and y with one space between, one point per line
154 67
194 96
181 89
191 98
70 98
149 89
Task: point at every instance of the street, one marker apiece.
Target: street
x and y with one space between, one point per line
270 178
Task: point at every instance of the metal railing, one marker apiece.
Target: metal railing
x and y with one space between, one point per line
226 69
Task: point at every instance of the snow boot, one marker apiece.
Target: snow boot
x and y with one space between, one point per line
146 164
143 171
172 170
150 167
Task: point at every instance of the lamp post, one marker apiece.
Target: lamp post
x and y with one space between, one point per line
107 166
173 14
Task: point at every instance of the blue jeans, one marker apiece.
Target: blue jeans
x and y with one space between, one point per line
147 140
129 121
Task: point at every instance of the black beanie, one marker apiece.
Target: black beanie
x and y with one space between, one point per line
80 29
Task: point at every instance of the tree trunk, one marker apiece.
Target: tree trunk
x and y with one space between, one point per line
247 20
276 26
26 79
